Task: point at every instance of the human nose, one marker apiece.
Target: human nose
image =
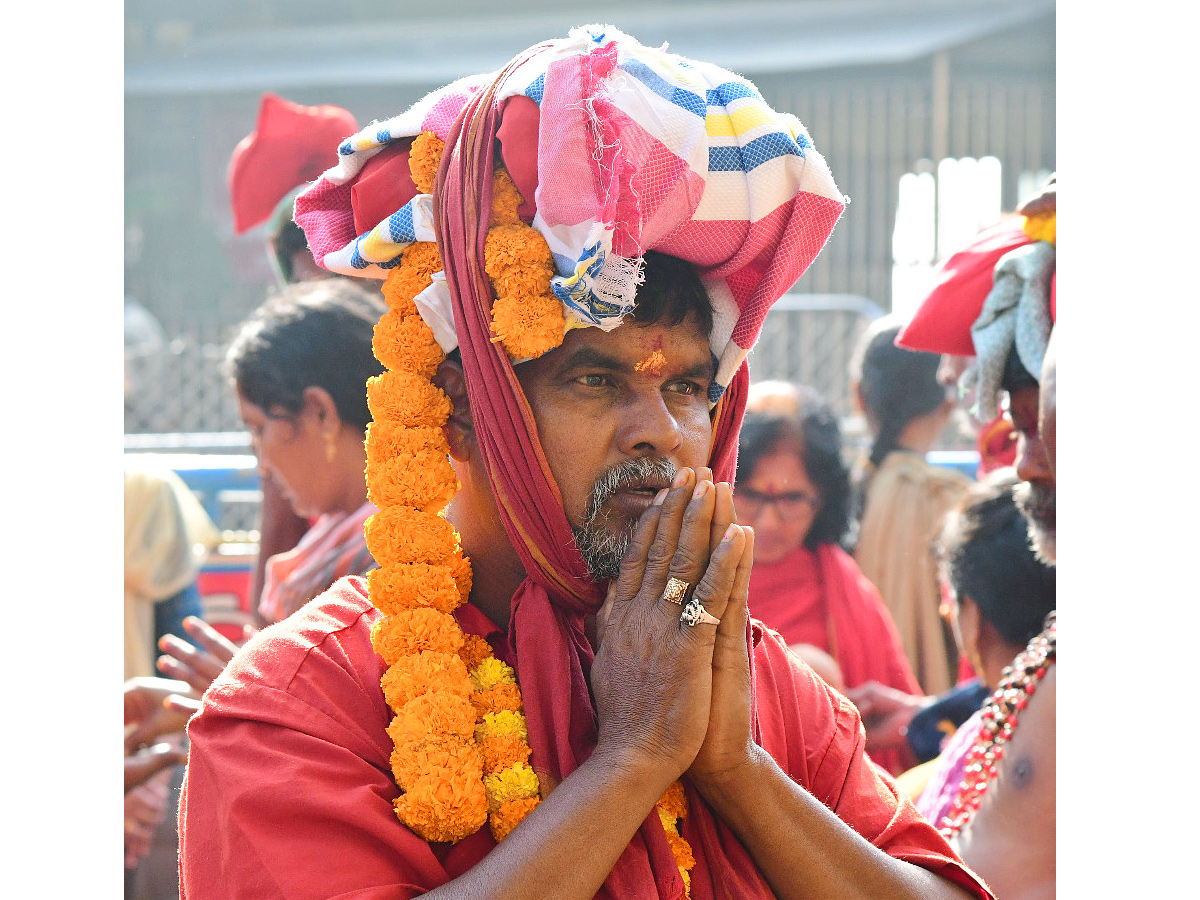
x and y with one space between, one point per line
1032 463
649 426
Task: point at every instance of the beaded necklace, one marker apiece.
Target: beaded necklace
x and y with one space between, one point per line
1017 685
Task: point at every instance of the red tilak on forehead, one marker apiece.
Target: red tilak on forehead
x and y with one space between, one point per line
655 361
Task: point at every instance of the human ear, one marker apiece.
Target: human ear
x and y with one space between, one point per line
459 429
319 404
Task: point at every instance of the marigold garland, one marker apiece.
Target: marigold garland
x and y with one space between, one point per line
461 752
461 748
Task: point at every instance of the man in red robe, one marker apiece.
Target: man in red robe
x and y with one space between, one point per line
594 494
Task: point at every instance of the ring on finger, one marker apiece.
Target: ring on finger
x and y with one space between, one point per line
695 613
675 590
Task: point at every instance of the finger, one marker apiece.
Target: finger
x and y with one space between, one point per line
603 613
148 762
723 514
737 609
692 550
718 580
202 661
666 539
183 704
210 639
633 563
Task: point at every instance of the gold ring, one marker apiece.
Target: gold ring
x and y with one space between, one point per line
675 590
695 613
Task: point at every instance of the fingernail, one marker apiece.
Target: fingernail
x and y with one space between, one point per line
660 497
680 478
730 532
701 489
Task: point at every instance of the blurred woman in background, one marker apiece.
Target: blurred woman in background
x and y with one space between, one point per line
903 499
793 488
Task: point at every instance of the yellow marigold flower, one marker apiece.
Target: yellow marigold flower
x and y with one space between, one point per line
443 759
413 631
410 677
491 672
506 199
503 722
497 698
1041 228
407 399
422 256
403 341
511 246
528 327
436 715
522 282
443 809
674 801
500 751
410 585
474 650
402 284
512 783
424 480
509 815
424 159
401 534
387 439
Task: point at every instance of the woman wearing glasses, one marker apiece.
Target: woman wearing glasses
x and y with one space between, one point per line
793 488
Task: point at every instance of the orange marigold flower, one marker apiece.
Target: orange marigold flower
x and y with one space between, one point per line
509 815
506 199
503 750
474 650
422 256
403 341
512 246
424 159
407 399
424 480
402 284
522 282
443 809
387 439
682 851
528 327
410 585
401 534
433 715
461 567
502 696
414 630
674 801
444 759
410 677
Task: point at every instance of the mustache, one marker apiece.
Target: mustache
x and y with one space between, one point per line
644 473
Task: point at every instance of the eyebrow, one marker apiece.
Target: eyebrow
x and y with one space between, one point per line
589 357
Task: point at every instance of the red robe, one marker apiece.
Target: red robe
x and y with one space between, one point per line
289 791
822 598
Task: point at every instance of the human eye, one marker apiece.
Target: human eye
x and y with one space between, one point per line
688 387
593 380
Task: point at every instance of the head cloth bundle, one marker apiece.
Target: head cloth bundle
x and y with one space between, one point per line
995 297
641 150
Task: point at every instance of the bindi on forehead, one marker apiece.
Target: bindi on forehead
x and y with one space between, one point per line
655 361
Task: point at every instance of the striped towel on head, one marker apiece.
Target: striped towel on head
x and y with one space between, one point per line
623 148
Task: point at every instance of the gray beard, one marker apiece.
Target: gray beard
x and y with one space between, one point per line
602 547
1037 504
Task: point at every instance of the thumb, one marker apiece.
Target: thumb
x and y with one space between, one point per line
603 613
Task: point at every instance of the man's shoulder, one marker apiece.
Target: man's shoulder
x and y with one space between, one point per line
333 629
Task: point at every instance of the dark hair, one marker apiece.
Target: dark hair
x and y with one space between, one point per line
672 289
986 555
285 242
815 432
898 385
315 333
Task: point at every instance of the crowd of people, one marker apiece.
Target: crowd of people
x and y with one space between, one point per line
544 569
